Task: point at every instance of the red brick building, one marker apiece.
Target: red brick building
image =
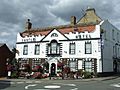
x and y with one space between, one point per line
5 54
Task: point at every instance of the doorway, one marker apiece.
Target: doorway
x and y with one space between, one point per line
53 69
115 66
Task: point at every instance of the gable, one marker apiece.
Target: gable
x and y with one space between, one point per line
90 17
54 34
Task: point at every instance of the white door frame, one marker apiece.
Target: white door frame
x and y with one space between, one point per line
52 60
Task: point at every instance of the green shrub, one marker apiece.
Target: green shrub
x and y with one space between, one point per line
87 74
14 74
80 72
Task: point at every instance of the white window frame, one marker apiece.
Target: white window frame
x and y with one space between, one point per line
88 66
37 49
72 48
25 50
72 65
88 48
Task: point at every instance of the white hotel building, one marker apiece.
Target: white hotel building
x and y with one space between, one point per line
91 44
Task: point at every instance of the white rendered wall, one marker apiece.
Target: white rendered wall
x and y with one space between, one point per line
80 45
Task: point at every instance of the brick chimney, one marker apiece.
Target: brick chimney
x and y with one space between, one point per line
28 25
73 20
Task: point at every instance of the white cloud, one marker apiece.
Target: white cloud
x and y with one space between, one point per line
4 34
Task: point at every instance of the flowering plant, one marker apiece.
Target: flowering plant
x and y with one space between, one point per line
37 75
66 70
9 67
37 68
26 67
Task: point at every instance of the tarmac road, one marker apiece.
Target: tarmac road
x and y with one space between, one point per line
88 84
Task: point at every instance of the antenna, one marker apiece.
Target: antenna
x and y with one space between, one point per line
85 18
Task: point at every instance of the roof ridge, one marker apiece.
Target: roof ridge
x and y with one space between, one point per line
60 27
1 44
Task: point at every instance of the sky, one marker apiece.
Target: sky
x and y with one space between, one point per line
43 13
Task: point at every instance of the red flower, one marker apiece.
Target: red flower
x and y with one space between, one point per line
37 75
44 76
59 64
37 68
66 70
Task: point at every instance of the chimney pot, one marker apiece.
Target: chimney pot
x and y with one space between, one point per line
73 20
28 25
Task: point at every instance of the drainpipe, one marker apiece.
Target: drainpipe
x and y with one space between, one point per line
101 50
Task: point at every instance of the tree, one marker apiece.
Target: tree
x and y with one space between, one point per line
12 64
14 51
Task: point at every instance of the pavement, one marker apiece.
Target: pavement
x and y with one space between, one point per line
47 79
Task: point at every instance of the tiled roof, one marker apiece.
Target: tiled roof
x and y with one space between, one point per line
86 23
65 29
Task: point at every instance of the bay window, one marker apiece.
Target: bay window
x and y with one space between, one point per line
53 48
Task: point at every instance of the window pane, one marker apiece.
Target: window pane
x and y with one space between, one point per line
37 49
88 48
72 48
58 49
25 50
54 48
48 49
88 66
80 64
72 66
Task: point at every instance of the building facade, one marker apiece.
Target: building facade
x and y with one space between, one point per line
91 44
5 54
